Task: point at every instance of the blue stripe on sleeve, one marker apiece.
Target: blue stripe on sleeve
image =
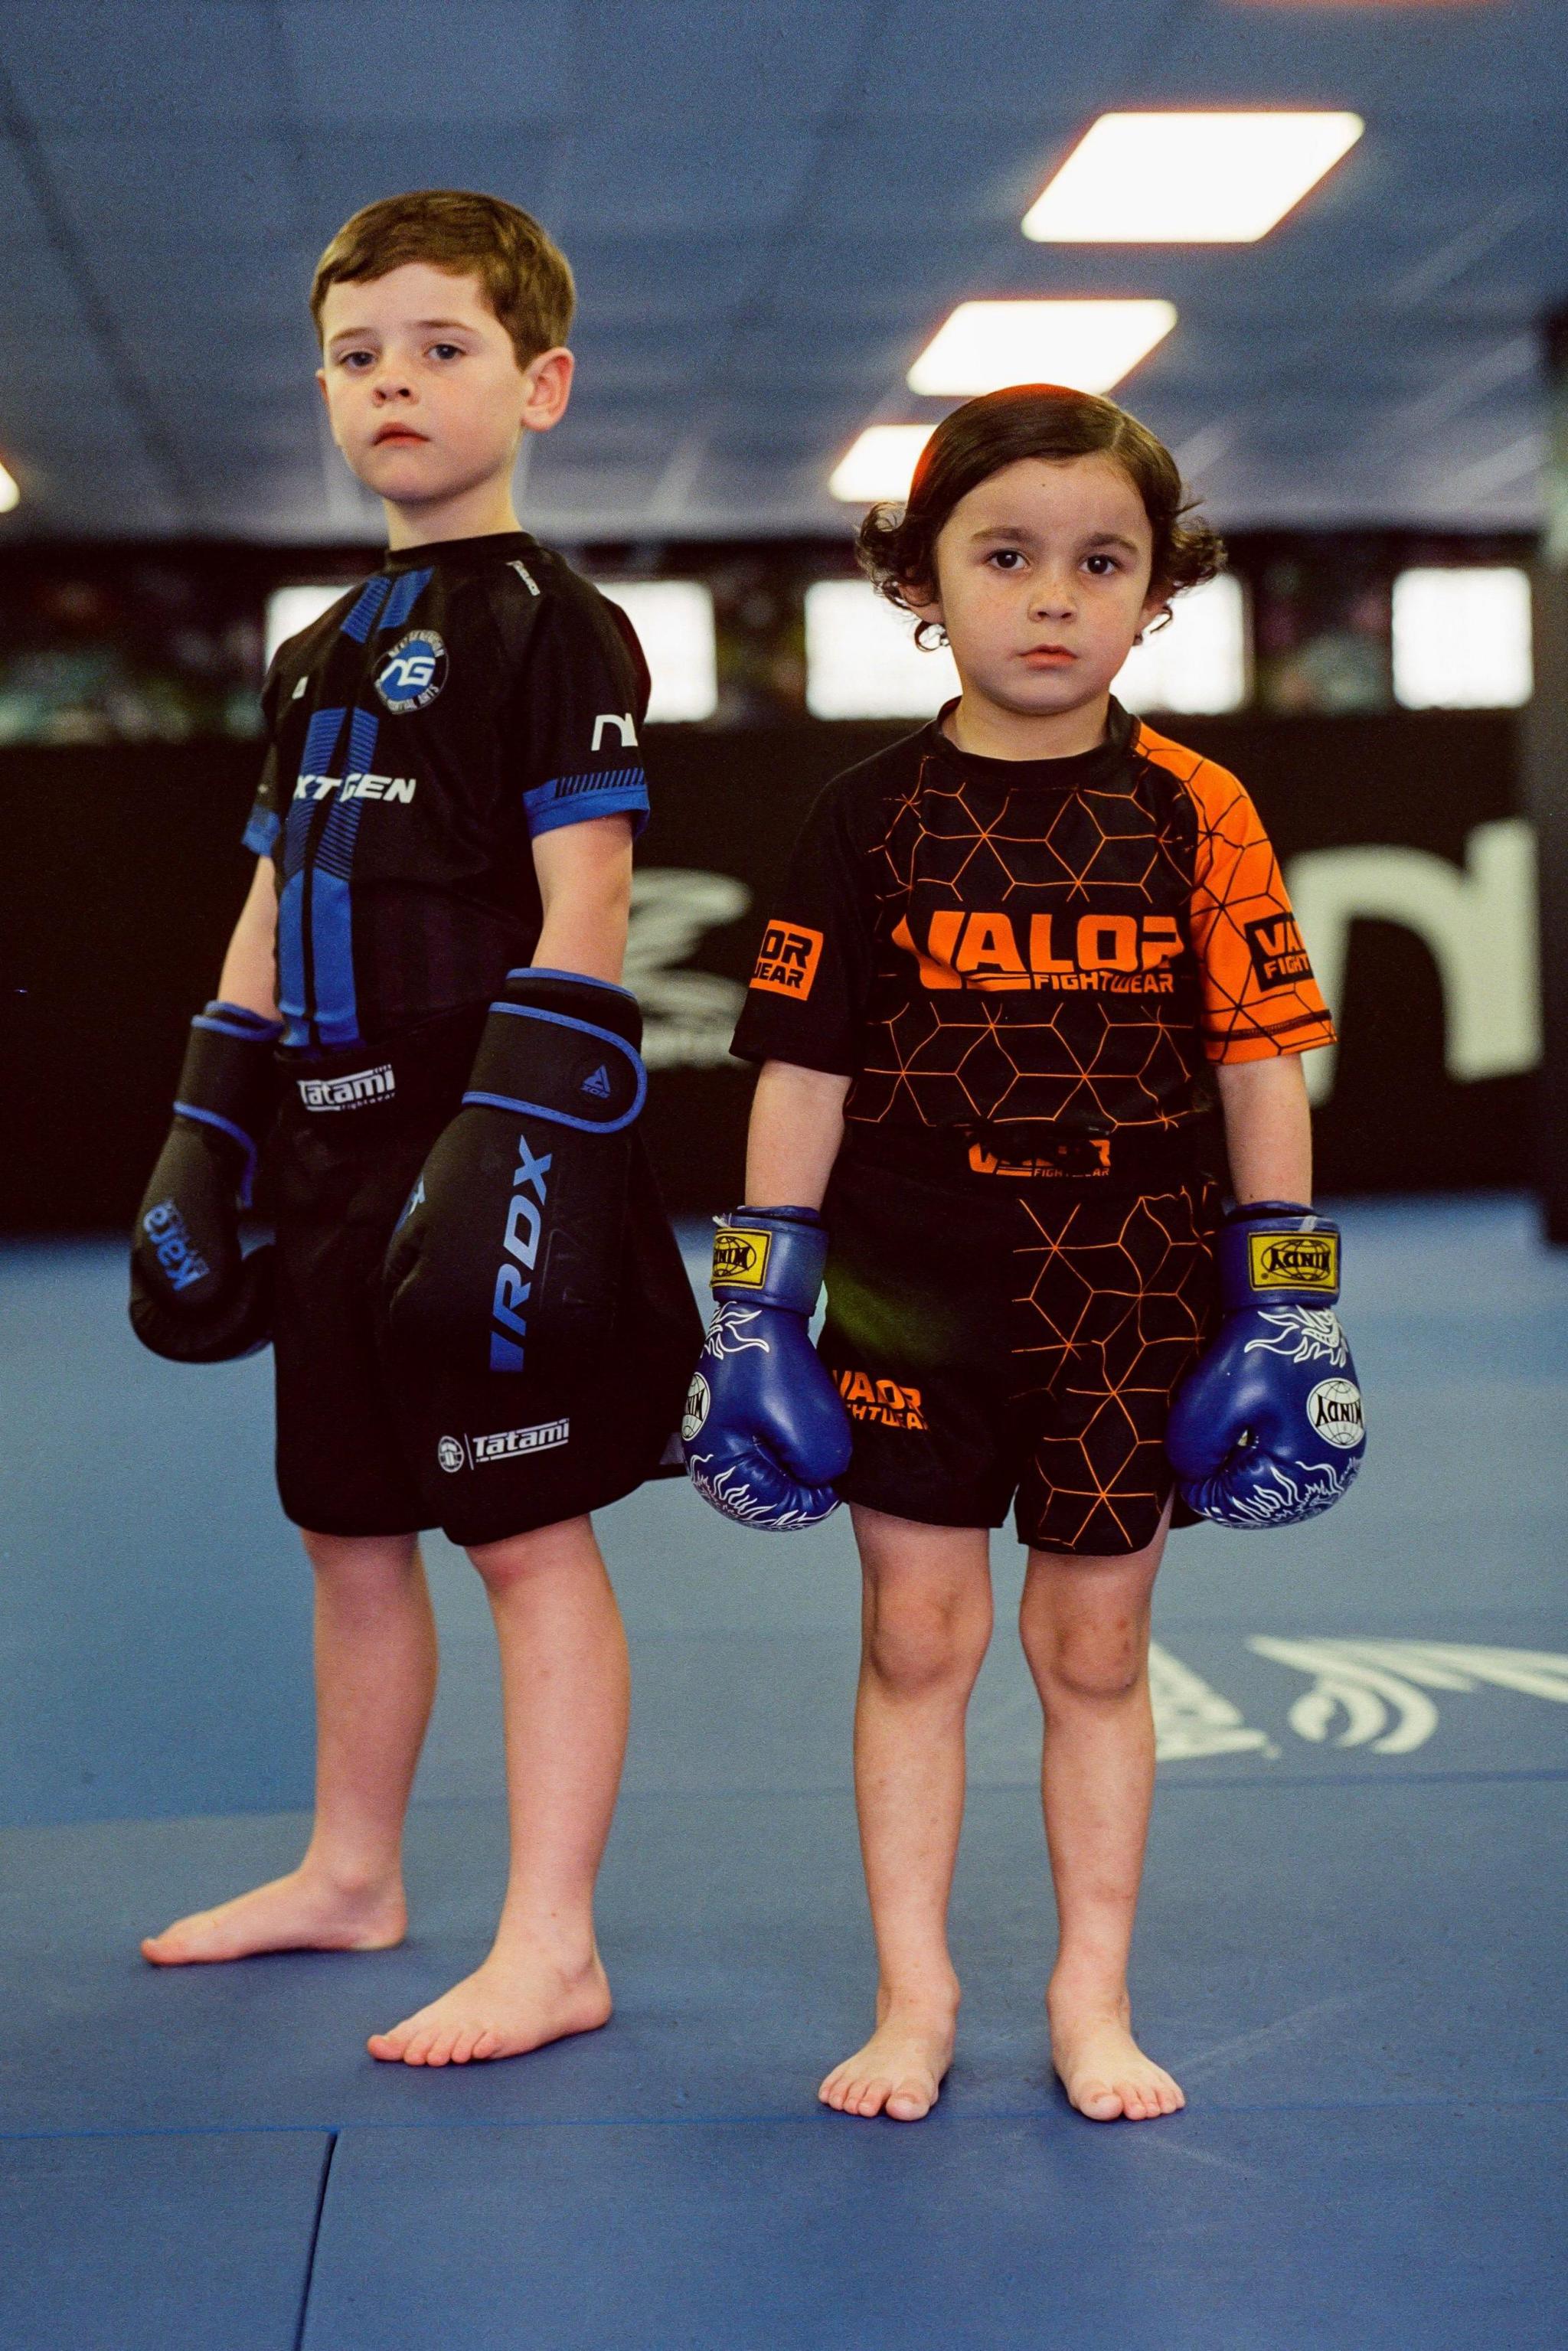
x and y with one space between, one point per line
571 799
262 830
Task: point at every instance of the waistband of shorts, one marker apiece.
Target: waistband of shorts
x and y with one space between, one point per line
419 1070
1040 1153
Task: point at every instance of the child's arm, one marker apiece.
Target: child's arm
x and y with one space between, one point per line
585 884
249 976
796 1126
1268 1128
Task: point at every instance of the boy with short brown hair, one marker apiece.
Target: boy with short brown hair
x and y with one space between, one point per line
429 955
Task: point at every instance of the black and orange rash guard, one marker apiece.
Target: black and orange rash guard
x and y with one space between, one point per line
984 944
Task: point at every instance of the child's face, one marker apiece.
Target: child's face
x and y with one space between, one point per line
422 386
1043 583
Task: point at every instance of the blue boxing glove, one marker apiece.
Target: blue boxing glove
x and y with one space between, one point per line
766 1430
1267 1429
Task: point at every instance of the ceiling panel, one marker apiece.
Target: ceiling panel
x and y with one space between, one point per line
770 204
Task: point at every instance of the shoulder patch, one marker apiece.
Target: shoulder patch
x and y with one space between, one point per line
787 963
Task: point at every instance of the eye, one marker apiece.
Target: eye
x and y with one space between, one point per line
1110 561
356 362
1006 559
446 351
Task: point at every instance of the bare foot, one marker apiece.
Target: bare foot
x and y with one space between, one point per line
509 2005
1103 2071
301 1912
899 2071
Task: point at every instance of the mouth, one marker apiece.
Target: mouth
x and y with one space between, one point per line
398 436
1048 657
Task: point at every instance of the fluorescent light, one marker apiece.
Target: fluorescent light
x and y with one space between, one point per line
1197 661
1461 638
862 660
881 463
289 609
1187 179
674 621
1090 345
10 491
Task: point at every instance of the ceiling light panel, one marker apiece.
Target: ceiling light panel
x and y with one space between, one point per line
1090 345
880 465
1187 179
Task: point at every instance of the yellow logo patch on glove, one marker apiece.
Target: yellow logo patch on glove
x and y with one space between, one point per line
1294 1260
740 1258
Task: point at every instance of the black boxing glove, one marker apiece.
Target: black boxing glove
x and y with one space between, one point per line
195 1297
508 1255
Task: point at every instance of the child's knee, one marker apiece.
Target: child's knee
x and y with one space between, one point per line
918 1648
1088 1659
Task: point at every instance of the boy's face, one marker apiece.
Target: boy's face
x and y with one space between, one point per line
1043 583
422 386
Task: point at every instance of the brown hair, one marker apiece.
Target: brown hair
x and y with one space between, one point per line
525 276
897 546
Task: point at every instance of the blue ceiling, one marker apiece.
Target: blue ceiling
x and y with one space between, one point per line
769 204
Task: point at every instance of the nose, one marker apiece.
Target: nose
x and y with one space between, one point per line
390 384
1054 597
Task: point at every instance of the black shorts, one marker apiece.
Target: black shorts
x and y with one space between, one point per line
371 1443
999 1339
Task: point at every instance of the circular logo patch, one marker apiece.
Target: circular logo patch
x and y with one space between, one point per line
414 673
698 1399
449 1453
1333 1408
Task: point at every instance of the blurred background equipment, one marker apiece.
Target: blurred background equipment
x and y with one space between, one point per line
1292 239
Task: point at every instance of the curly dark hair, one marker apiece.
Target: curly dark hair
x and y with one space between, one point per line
897 545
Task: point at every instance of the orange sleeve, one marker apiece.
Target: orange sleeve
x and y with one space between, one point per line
1259 997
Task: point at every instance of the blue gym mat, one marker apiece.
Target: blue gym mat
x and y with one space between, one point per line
1350 1949
157 2243
770 2236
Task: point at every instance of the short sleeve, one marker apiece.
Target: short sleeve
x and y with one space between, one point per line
806 1002
1259 997
265 820
580 704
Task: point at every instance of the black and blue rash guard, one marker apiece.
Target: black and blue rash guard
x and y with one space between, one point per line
468 696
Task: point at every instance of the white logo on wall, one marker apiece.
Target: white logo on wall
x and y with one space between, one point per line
1477 922
688 1017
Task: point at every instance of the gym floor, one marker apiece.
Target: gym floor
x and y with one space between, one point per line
1351 1950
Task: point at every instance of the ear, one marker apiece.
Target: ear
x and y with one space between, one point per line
547 388
1157 606
922 600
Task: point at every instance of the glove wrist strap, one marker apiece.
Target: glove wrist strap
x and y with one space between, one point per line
229 1082
561 1047
1274 1253
770 1256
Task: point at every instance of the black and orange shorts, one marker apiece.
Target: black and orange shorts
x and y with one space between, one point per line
1002 1338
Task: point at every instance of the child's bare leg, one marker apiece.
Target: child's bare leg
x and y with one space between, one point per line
1085 1628
375 1679
565 1693
926 1623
